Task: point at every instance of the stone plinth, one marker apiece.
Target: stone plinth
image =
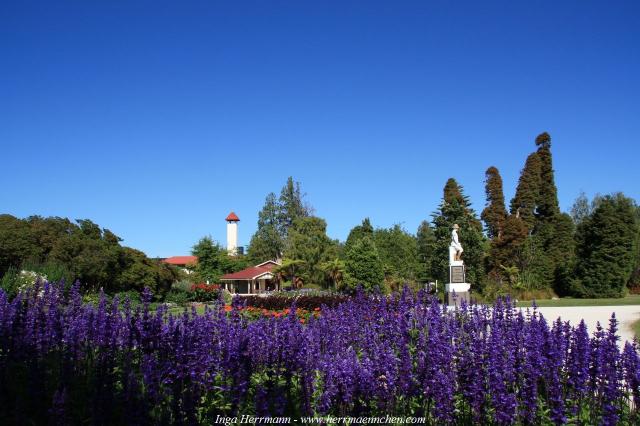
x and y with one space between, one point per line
455 293
458 289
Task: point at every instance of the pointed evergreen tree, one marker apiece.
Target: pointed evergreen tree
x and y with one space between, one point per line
453 192
634 281
291 206
267 242
456 208
274 221
507 232
495 213
547 203
547 254
562 250
525 201
506 250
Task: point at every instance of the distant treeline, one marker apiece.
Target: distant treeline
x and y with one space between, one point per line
61 249
527 249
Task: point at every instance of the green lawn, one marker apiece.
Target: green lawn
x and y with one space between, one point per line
633 299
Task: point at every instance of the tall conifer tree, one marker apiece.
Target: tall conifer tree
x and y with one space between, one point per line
274 221
456 208
547 203
525 201
495 213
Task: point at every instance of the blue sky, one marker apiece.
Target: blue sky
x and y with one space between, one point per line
155 119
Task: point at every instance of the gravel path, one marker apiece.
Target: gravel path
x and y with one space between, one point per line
626 315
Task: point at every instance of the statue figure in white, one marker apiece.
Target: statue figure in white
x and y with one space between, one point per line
455 248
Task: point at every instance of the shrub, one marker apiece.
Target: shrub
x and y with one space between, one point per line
178 296
132 295
227 297
203 292
9 282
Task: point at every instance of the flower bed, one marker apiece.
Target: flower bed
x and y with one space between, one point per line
279 302
65 362
253 313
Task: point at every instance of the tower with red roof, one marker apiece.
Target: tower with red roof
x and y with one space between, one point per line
232 233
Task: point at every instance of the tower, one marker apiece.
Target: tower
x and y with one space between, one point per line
232 233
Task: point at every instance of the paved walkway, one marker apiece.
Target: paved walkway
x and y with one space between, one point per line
626 315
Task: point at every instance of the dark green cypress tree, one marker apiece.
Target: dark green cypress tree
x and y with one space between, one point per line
524 202
607 244
634 281
547 203
548 254
495 213
506 251
456 208
561 250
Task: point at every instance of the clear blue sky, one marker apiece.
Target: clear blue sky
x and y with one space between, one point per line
155 119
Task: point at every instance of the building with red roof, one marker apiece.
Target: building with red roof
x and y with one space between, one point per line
182 261
254 280
232 217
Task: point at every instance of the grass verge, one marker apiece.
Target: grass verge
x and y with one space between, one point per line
633 299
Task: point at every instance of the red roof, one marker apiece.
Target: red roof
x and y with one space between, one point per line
232 217
181 260
249 273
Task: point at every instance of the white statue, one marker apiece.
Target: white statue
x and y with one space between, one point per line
455 248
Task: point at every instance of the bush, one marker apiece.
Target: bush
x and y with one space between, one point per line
179 297
203 292
9 282
227 297
132 295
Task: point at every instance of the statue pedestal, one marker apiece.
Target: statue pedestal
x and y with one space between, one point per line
455 293
458 289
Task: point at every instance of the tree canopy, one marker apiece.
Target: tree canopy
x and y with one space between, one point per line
275 220
80 251
607 248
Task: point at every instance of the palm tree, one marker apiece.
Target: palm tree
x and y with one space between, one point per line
334 271
288 270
